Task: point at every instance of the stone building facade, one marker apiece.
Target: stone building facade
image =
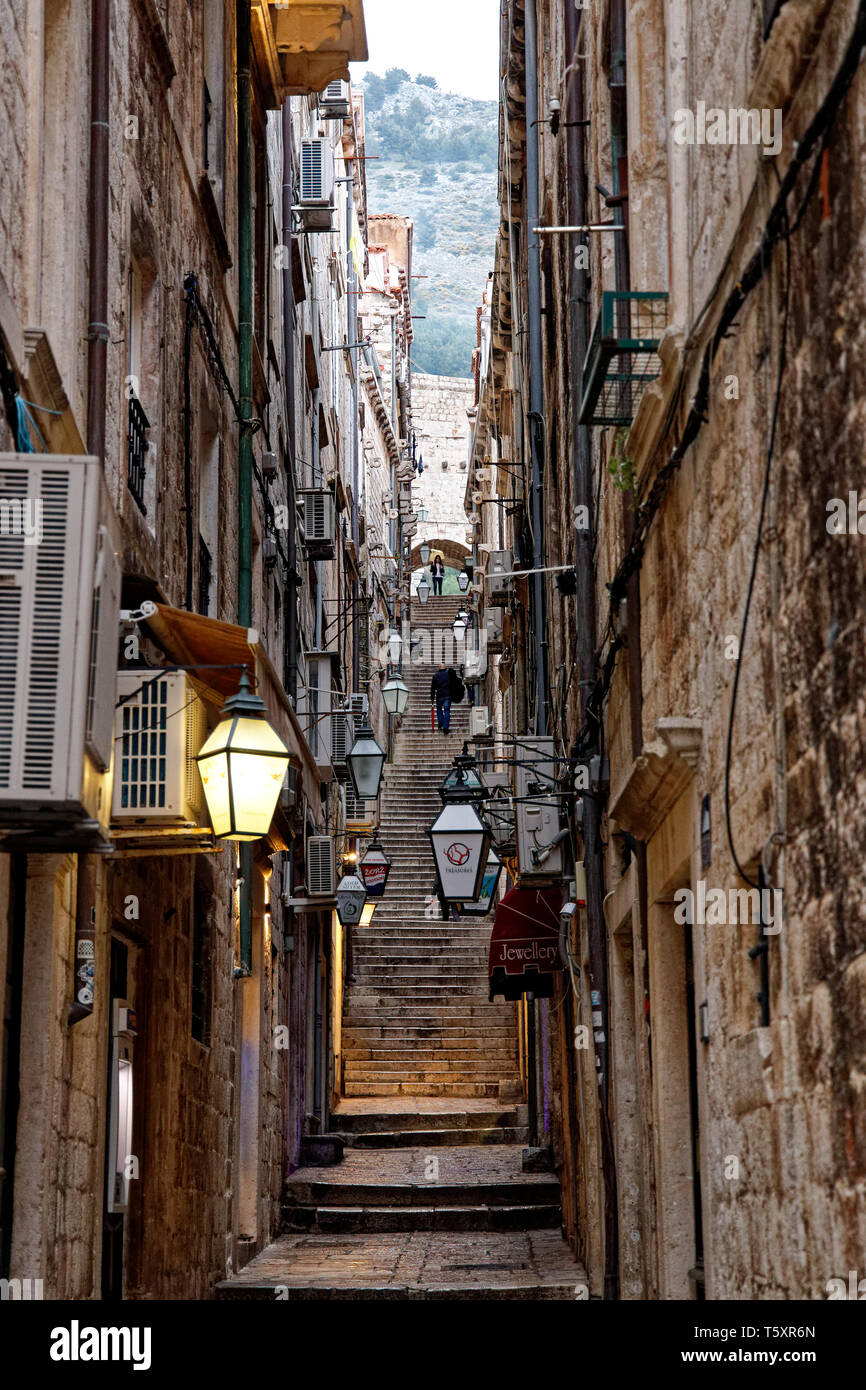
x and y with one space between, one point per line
441 406
232 970
692 642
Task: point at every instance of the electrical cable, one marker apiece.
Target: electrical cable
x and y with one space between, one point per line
765 492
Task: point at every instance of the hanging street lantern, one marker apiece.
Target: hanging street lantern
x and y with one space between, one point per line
423 512
489 883
395 693
366 761
463 782
242 765
375 868
424 552
460 842
395 648
351 899
461 622
423 589
463 581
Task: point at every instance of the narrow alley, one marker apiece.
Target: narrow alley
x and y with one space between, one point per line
431 1199
432 671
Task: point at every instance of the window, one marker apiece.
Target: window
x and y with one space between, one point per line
137 422
142 382
213 99
209 448
201 966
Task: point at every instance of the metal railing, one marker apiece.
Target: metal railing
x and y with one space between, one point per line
137 447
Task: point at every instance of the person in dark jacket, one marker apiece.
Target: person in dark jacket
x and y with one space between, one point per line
440 695
438 574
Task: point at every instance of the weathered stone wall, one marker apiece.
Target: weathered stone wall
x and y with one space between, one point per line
780 1107
439 407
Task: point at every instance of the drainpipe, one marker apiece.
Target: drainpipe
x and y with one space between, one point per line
356 369
536 383
394 503
291 630
619 150
97 361
586 634
245 397
97 328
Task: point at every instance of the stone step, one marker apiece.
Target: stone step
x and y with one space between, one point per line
469 1090
400 1070
541 1191
441 1117
358 1219
425 1058
430 1138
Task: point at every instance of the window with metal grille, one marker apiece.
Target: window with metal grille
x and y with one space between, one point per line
200 995
138 425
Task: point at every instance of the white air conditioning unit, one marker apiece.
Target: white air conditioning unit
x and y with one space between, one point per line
475 664
479 722
316 201
342 738
160 725
321 867
498 585
334 102
493 624
359 706
59 613
359 815
319 708
320 523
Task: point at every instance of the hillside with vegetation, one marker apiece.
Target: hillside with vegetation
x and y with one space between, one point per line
436 162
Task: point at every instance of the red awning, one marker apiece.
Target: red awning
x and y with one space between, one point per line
524 948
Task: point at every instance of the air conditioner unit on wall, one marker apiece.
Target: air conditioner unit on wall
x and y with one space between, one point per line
493 626
334 101
359 706
160 725
59 610
360 814
316 200
342 738
321 867
499 582
479 722
475 664
320 523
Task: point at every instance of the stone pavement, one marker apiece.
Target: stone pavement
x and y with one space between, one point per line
454 1221
412 1265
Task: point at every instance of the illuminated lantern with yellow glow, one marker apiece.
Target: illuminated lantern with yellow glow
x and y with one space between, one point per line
242 765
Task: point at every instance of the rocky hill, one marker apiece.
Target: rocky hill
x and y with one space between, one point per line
437 157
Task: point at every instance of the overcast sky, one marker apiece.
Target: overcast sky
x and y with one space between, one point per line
455 41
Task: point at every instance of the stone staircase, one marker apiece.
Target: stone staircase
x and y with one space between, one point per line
432 1198
416 1019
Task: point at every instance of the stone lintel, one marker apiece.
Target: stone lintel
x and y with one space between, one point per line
657 778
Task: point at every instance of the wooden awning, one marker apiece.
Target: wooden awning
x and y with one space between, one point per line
190 640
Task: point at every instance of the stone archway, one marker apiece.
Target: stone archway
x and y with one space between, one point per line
452 552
